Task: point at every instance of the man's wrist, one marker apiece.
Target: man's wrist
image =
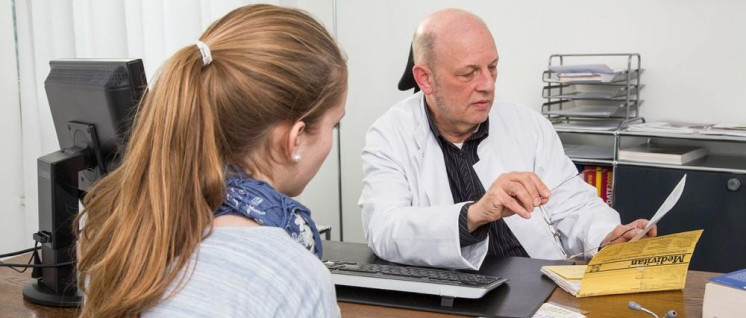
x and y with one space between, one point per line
467 238
474 217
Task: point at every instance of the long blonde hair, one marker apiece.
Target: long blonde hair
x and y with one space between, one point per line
271 65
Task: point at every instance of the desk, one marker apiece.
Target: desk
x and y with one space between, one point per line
688 303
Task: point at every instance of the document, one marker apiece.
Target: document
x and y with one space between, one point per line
664 208
655 264
738 130
567 277
549 310
590 125
584 73
673 127
582 69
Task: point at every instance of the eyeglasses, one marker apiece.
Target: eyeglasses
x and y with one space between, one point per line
556 233
553 231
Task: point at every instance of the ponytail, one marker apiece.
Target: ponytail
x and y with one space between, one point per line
154 208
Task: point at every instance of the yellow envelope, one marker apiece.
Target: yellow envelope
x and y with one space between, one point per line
654 264
659 263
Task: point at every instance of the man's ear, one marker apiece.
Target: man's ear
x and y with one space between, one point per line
423 77
295 139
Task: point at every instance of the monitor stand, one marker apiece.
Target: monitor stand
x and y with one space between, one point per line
63 176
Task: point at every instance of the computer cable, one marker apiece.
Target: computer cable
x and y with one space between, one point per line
635 306
36 265
34 258
19 252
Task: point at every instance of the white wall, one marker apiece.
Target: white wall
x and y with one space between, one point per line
54 29
694 53
322 193
12 221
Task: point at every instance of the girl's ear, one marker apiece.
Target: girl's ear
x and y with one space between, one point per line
296 137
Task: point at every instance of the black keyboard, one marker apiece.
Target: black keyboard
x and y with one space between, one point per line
412 279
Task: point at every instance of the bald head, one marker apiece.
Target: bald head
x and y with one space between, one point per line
442 27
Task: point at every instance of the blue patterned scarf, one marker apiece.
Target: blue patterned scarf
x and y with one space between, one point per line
257 200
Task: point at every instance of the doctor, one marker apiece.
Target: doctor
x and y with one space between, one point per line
428 160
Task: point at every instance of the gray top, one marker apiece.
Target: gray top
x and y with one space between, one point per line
252 272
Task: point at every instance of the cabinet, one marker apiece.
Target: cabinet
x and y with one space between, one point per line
591 119
709 202
714 198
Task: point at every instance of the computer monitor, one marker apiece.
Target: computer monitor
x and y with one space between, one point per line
93 103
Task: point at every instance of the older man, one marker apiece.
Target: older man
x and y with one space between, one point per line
428 160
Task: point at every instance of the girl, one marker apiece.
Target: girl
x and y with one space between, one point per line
198 220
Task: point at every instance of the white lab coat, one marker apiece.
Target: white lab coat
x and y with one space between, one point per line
407 208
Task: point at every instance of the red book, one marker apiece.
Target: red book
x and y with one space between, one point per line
589 175
609 187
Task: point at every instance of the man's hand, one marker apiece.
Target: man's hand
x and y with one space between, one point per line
512 193
624 233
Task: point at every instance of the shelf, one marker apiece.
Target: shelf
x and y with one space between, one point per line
598 127
595 162
589 152
722 162
713 163
687 136
592 111
593 92
570 130
619 77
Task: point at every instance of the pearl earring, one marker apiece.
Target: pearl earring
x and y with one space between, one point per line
296 157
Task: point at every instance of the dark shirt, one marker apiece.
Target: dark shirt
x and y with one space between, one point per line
466 186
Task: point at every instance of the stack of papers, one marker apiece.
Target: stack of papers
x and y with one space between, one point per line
586 111
726 130
583 73
669 127
655 264
588 91
590 108
567 277
673 127
550 310
596 125
665 154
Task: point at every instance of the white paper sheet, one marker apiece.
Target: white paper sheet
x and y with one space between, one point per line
665 207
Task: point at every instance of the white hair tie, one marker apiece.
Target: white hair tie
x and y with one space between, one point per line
205 51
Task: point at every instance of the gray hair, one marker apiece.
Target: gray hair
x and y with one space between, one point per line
423 47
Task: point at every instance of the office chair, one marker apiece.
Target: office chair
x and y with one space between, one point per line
407 79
